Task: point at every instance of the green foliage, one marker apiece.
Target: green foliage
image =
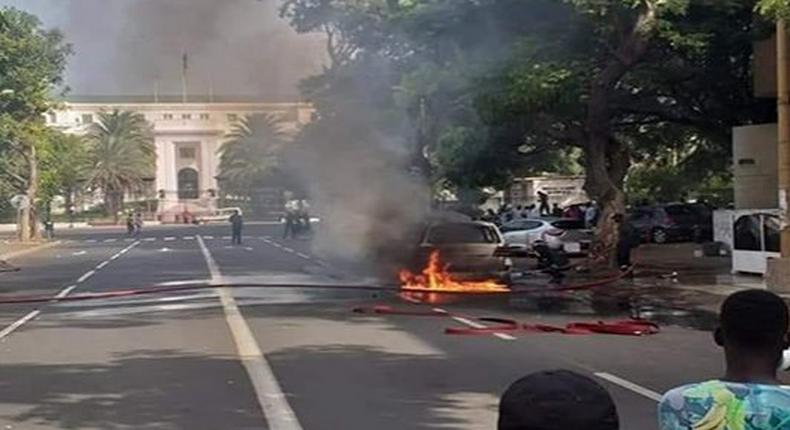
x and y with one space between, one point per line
774 9
64 165
251 154
121 154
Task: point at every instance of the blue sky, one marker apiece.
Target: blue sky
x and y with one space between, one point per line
125 46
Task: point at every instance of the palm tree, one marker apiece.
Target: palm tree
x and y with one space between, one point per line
251 154
122 154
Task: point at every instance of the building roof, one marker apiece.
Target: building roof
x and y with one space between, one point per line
170 98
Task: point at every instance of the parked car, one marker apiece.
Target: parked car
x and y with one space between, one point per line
218 215
672 222
575 237
472 249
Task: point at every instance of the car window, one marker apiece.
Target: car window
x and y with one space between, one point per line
641 215
569 224
461 233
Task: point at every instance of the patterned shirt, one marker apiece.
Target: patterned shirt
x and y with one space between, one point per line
718 405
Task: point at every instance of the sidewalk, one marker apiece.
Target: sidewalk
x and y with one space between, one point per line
673 274
12 249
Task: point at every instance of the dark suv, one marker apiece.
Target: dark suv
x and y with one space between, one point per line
665 223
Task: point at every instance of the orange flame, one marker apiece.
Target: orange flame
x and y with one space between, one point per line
436 278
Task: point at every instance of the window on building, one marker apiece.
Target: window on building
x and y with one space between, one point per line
232 117
167 116
204 116
186 116
187 183
187 153
87 118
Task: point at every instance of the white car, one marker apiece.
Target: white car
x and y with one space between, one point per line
575 237
219 215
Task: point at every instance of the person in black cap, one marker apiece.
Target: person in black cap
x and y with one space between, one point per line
557 400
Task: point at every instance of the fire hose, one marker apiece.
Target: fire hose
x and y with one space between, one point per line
631 327
391 288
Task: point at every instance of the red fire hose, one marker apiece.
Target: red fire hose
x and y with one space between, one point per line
630 327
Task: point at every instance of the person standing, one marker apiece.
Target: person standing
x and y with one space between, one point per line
591 215
236 222
544 208
130 224
290 219
753 331
138 223
625 241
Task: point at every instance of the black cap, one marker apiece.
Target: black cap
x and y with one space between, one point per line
557 400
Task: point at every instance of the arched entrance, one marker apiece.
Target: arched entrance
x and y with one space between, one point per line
187 183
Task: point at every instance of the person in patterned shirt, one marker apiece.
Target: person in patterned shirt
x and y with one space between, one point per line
753 330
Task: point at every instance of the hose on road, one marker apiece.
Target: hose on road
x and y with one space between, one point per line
631 327
392 288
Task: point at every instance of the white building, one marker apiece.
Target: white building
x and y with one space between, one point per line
187 137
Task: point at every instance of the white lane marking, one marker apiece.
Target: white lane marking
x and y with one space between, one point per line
102 264
18 323
628 385
189 237
303 255
86 275
477 325
169 239
109 240
289 250
79 253
165 249
206 237
66 291
90 241
149 239
276 245
226 237
274 404
63 293
248 248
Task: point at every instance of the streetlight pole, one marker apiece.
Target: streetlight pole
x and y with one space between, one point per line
783 111
778 276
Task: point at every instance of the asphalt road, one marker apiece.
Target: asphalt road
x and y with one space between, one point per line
291 358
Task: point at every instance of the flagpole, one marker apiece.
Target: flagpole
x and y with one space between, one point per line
184 67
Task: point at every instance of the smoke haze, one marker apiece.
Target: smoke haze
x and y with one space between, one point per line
124 47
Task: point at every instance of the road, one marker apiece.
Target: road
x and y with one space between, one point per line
288 358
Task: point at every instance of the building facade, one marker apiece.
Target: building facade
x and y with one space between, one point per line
187 137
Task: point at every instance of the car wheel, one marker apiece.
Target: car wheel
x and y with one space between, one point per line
659 235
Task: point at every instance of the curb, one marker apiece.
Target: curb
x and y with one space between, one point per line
14 254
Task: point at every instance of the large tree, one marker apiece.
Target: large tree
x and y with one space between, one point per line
121 154
32 61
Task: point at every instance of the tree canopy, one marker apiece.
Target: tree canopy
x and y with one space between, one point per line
481 90
122 154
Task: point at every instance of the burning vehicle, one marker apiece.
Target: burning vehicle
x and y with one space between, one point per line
461 256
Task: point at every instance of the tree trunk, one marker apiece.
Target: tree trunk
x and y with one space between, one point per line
28 222
606 158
